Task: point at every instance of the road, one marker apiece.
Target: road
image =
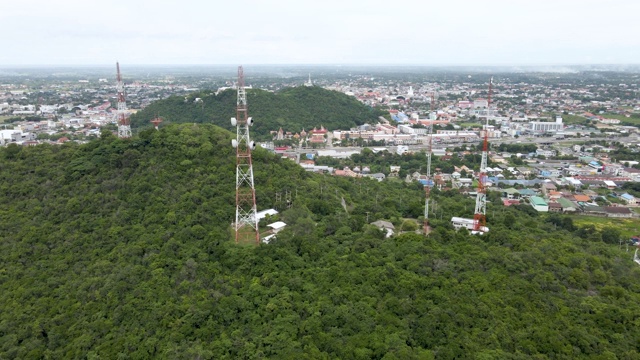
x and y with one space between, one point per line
527 140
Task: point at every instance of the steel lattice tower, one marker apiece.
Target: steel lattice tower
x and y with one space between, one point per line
427 187
124 127
246 224
479 217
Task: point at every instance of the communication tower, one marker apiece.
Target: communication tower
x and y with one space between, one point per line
429 184
124 126
479 217
156 122
246 224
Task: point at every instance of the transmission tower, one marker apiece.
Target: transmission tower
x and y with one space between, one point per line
427 187
124 126
156 122
479 217
288 199
246 224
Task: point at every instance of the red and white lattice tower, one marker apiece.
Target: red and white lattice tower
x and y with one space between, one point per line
429 184
156 122
246 224
479 217
124 127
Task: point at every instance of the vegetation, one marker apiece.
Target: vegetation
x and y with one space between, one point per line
121 249
293 109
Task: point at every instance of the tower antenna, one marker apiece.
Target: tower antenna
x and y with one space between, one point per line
479 217
156 122
246 224
427 186
124 126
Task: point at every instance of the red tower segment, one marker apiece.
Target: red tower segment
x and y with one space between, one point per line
156 122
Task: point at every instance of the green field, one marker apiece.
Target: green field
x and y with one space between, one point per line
633 120
573 119
627 227
3 118
469 124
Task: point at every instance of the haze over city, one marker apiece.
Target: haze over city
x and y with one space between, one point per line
74 32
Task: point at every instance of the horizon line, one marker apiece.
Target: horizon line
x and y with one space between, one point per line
326 64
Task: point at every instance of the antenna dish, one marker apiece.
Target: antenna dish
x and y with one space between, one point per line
234 143
250 121
234 122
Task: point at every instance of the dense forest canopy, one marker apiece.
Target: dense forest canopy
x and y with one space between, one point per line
122 249
293 109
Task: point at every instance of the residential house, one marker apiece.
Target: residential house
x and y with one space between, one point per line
629 199
539 204
524 170
377 176
594 210
547 187
554 207
632 173
618 211
385 226
527 193
580 198
567 205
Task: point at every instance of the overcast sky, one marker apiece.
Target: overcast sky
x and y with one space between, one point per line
412 32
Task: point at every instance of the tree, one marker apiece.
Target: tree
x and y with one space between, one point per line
409 225
610 235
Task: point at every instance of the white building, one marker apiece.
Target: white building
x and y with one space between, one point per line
468 224
480 103
542 127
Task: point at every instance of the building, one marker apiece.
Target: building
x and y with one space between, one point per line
468 224
567 205
629 199
539 204
385 226
543 126
480 103
618 211
276 226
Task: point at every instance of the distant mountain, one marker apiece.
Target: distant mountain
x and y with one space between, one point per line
293 109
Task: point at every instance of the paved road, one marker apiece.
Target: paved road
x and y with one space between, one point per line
525 140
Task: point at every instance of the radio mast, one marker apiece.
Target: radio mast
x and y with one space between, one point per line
479 217
246 224
429 184
124 126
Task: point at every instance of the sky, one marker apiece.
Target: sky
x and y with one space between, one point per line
354 32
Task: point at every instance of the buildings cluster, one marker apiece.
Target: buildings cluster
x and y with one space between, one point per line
76 109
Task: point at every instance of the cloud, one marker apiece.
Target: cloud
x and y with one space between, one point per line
331 31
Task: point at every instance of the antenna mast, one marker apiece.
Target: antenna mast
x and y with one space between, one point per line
124 126
246 224
479 217
427 188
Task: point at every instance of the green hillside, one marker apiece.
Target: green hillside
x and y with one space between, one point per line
292 109
122 249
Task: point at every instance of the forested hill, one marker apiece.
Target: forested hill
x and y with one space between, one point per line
122 249
293 109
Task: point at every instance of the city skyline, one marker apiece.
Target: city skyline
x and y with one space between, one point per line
456 33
